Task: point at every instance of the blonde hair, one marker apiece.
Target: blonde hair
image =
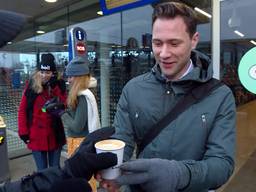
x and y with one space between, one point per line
79 83
36 82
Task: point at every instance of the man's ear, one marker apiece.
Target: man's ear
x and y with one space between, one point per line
194 40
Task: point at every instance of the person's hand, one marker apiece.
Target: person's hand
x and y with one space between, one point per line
155 174
108 185
85 162
55 109
25 138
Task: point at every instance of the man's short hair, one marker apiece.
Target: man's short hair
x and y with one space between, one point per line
170 10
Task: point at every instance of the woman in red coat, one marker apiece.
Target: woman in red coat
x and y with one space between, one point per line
41 131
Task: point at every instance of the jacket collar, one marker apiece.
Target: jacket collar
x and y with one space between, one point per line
201 72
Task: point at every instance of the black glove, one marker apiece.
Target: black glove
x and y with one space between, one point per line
55 109
84 162
48 102
73 184
25 138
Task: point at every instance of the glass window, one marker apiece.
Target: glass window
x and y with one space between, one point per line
237 37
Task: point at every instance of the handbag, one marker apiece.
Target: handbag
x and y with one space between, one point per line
196 94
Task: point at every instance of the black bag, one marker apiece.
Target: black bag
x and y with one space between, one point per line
194 96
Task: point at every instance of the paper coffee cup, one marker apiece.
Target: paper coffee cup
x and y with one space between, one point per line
113 146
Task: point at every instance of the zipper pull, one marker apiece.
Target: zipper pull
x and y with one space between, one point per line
136 115
203 118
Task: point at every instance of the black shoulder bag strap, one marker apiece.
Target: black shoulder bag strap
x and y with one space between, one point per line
195 95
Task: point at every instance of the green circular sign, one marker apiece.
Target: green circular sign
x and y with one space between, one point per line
247 70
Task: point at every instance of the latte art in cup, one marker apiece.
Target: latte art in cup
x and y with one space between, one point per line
109 145
113 146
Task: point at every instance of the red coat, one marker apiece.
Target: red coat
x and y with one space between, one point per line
41 134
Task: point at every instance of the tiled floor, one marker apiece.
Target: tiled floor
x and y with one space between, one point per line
244 177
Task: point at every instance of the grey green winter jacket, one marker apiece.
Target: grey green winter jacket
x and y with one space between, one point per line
203 137
75 121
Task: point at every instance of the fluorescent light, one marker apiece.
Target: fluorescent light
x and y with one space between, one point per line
9 43
239 33
40 32
50 1
253 42
203 12
99 12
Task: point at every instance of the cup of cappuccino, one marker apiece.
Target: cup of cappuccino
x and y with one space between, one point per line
113 146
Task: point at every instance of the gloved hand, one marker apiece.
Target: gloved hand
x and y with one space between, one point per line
48 102
25 138
72 184
55 109
85 162
155 174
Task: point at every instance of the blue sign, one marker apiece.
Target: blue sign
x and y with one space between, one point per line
77 44
112 6
80 35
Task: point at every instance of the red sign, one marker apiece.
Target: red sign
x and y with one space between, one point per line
80 47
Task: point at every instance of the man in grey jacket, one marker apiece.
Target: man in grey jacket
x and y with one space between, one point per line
195 152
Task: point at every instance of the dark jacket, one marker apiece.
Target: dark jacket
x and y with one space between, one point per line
48 180
37 182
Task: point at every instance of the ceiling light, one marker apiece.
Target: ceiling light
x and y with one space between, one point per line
253 42
40 32
239 33
51 1
99 12
9 43
202 12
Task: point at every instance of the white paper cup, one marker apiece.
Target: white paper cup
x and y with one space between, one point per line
113 146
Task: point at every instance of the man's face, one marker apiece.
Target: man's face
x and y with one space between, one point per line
172 46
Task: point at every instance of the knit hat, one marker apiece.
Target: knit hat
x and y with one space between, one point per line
77 66
11 24
47 63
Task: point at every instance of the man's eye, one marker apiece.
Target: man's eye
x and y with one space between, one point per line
175 44
157 44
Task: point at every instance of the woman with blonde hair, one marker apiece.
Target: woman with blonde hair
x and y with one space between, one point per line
43 132
81 117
